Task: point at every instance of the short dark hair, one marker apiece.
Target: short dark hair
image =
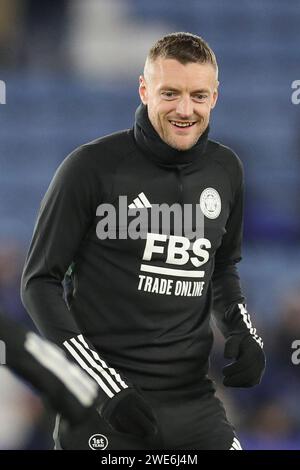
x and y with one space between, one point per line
184 47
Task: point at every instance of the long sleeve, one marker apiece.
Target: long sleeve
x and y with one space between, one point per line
65 217
229 303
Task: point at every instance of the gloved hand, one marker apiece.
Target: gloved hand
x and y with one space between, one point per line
128 412
250 362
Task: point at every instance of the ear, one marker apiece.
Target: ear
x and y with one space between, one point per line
143 90
215 96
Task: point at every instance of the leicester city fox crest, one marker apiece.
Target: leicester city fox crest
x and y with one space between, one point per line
210 203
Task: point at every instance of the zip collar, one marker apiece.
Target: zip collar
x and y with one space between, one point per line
161 153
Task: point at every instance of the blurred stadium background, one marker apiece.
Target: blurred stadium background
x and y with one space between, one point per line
71 70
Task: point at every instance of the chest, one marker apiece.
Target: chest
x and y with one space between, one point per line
166 214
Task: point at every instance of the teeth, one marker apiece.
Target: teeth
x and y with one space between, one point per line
182 124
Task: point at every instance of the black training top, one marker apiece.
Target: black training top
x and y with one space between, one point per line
142 304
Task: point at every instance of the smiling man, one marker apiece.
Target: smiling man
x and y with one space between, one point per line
135 314
179 96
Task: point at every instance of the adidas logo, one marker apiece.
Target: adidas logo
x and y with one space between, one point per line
139 202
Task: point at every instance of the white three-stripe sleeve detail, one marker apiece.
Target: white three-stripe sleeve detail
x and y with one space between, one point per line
247 321
87 355
73 378
90 371
103 363
235 445
237 442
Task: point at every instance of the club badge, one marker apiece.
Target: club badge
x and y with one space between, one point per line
210 203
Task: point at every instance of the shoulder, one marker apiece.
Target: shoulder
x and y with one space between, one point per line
101 154
227 158
108 146
111 142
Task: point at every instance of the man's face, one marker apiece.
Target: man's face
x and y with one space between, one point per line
179 99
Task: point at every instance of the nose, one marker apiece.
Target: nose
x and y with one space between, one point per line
185 107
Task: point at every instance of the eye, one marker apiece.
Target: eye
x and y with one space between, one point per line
200 97
168 95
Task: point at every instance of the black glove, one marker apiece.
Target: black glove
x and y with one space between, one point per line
250 362
128 412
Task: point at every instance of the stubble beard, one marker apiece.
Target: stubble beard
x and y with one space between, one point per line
172 143
170 140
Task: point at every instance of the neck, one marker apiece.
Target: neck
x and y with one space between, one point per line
159 151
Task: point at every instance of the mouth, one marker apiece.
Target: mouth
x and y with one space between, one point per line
182 124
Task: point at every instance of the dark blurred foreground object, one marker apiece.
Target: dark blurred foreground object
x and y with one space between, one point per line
66 386
63 384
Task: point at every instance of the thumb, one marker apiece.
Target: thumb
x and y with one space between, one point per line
232 347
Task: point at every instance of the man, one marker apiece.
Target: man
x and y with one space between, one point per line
138 315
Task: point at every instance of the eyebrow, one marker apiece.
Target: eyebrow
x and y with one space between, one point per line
170 88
